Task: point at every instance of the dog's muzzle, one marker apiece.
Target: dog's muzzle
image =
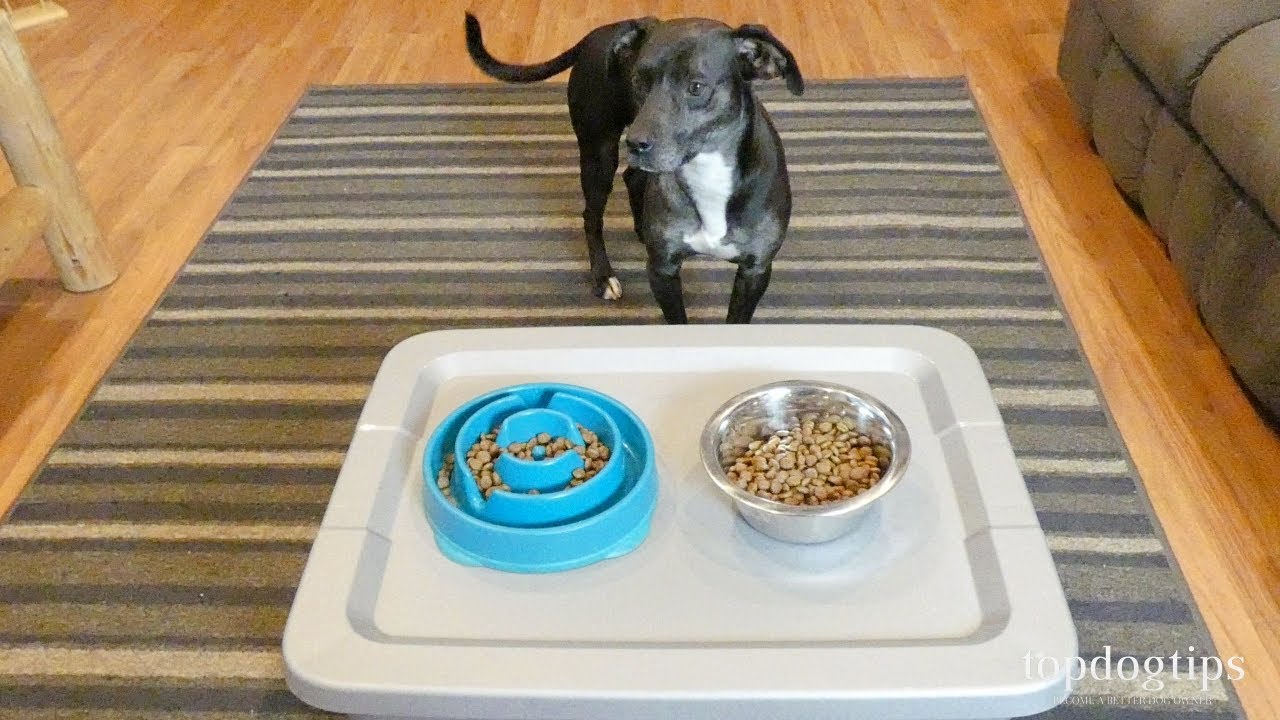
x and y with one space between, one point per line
643 156
640 155
639 147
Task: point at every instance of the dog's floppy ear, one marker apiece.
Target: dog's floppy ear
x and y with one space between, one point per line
626 45
764 57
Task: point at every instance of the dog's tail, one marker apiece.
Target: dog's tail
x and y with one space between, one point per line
507 72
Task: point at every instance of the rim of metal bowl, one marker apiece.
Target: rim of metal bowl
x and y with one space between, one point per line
897 466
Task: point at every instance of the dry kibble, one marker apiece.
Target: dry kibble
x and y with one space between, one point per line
817 460
482 456
444 478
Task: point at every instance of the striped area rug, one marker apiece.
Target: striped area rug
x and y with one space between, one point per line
148 571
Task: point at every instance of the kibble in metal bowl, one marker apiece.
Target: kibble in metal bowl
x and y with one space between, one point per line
804 461
820 459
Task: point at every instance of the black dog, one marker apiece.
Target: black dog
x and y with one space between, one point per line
706 171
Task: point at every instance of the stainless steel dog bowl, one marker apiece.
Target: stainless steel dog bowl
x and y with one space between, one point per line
759 412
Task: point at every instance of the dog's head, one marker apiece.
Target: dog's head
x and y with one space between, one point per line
691 80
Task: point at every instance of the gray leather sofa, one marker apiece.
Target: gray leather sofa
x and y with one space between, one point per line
1182 101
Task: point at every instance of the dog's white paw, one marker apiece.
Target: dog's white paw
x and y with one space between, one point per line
612 289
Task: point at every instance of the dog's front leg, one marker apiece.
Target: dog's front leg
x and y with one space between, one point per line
636 181
749 285
598 163
664 280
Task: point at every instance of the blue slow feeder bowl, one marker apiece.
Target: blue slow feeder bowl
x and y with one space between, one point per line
560 527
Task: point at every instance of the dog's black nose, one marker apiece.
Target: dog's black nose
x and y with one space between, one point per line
639 147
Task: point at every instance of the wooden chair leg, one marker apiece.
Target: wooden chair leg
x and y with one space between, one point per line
32 14
33 147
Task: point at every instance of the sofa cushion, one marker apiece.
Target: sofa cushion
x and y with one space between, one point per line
1085 44
1239 297
1236 111
1169 153
1171 41
1204 198
1125 112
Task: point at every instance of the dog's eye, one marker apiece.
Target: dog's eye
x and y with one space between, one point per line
696 88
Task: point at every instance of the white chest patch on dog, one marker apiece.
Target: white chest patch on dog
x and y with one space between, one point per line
709 180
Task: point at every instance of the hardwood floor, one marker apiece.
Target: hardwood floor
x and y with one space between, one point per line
164 107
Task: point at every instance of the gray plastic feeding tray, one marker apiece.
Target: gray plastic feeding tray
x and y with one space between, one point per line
929 611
